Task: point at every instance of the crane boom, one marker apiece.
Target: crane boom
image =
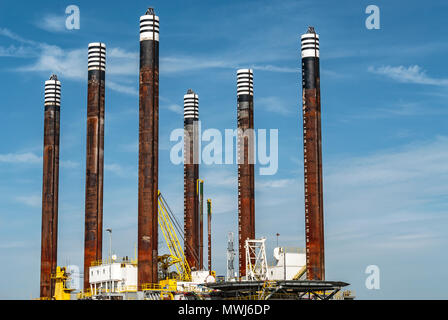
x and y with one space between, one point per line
168 228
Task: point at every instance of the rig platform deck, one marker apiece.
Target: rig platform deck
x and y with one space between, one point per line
278 289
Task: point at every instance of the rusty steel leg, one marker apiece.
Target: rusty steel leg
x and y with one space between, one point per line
201 224
191 199
190 217
246 190
94 158
148 150
191 182
209 233
312 144
50 187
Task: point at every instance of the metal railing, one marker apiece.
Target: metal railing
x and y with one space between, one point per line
121 289
84 294
158 287
101 262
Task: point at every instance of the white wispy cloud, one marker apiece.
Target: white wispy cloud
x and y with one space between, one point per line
26 157
69 164
275 183
275 105
121 53
221 178
16 51
129 147
69 64
224 203
181 64
14 245
411 74
269 67
122 88
52 23
397 189
175 108
361 49
397 109
13 36
120 170
115 168
72 63
31 158
34 201
410 241
394 166
185 63
121 64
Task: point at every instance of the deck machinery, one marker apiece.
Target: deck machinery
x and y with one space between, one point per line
112 279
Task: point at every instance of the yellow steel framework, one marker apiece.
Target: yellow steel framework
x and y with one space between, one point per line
61 290
169 233
267 285
300 273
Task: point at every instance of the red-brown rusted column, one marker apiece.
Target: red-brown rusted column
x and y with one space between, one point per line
148 149
201 224
50 186
93 235
191 176
312 149
209 233
246 179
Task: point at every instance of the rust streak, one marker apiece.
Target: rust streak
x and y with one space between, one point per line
191 196
94 171
313 182
246 187
148 163
50 188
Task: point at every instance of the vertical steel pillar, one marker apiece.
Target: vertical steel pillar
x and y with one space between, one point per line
191 176
209 233
201 224
50 187
93 236
148 167
312 149
246 181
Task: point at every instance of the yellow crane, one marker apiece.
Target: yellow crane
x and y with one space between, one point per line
168 225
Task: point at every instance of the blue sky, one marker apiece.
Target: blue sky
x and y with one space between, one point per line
384 130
